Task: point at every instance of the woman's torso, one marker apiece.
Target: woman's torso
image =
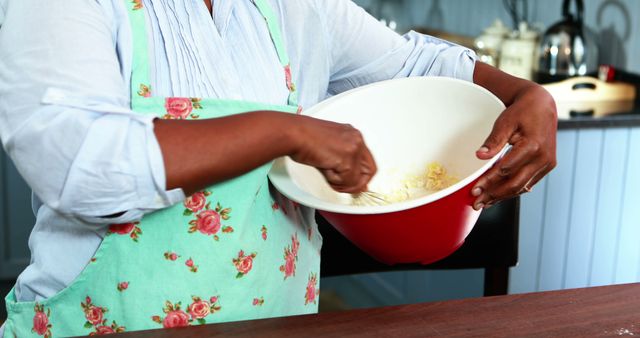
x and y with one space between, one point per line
191 55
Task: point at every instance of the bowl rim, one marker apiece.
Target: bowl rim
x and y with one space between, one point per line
278 174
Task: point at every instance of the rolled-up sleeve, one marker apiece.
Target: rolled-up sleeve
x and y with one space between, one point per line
363 51
65 119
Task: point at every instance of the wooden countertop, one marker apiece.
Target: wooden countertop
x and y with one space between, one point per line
609 311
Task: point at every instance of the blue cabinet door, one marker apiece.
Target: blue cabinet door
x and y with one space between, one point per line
581 226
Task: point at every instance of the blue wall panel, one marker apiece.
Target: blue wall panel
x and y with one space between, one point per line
628 255
608 210
583 209
524 277
557 215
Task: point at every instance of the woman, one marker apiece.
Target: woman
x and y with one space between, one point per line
115 111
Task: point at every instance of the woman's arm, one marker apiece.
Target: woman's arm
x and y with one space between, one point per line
226 147
64 115
529 124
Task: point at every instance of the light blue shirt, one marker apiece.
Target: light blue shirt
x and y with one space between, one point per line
66 122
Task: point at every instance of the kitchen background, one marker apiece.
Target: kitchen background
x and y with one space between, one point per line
579 227
614 23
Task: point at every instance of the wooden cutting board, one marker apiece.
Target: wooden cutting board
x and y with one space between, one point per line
587 96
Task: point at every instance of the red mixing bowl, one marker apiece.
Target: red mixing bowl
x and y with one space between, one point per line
407 123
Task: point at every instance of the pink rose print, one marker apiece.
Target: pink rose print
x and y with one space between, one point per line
144 91
290 257
209 221
289 267
197 311
288 79
264 232
176 319
130 229
123 286
299 111
258 301
94 315
192 267
121 229
102 330
41 325
137 4
96 321
171 256
243 263
196 202
312 291
200 309
180 108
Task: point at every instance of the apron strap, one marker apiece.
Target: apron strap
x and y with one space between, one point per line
274 29
140 79
276 37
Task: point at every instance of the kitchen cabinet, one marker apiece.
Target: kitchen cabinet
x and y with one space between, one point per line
581 226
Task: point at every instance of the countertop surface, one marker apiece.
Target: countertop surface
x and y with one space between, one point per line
609 311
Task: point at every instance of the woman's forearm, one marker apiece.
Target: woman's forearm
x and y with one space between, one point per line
198 153
202 152
506 87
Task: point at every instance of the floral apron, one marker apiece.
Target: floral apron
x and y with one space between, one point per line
234 251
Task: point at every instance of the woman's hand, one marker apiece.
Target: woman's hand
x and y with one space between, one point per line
337 150
529 124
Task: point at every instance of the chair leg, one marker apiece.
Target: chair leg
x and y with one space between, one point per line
496 281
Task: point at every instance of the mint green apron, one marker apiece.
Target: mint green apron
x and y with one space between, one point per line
234 251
